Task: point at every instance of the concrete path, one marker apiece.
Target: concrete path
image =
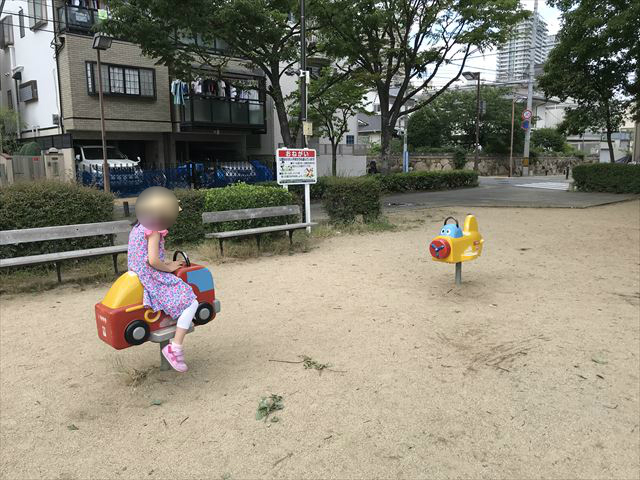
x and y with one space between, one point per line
537 192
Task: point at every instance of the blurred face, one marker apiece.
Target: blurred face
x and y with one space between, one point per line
157 208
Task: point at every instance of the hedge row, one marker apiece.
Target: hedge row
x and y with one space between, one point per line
607 177
346 198
412 181
51 203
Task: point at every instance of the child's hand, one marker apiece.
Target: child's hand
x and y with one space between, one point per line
176 264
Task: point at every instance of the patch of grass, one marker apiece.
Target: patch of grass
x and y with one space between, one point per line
268 405
133 376
242 248
326 230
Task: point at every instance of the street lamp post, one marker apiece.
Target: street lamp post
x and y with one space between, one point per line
101 42
476 76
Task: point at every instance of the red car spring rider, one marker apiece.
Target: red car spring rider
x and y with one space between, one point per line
123 320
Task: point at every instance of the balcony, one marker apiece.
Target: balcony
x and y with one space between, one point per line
76 19
206 113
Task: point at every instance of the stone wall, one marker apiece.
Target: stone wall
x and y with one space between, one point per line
489 164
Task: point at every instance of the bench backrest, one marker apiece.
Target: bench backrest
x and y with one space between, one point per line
250 213
26 235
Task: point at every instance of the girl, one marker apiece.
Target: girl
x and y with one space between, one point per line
157 209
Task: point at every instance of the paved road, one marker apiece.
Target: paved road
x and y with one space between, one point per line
495 192
499 192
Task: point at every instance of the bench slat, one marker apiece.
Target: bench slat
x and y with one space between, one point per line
54 257
26 235
250 213
256 231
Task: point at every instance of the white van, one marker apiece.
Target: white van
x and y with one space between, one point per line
89 159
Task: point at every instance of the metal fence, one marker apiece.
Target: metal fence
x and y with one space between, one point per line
128 181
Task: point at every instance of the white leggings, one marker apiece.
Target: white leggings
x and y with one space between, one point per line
184 321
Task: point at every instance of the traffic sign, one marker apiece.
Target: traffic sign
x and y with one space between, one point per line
527 114
525 125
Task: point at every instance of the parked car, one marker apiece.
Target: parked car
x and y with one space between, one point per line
123 171
124 321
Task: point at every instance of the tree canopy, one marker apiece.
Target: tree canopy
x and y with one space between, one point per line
450 121
595 64
402 44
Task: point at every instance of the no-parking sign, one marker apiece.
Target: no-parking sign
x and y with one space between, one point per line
296 166
527 114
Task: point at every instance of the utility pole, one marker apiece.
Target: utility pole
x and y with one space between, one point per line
476 160
513 111
303 74
476 76
532 60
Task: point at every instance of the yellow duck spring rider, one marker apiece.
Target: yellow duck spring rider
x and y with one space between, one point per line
457 245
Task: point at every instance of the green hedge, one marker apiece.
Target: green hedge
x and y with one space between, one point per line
317 189
52 203
241 195
412 181
188 227
607 177
346 198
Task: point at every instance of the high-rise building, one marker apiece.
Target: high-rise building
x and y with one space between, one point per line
513 56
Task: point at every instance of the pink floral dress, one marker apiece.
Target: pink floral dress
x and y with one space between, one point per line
162 290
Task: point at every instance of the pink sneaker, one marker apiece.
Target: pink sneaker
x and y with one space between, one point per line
175 358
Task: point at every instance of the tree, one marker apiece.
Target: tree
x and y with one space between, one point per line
9 124
403 43
450 120
594 63
335 102
548 139
261 34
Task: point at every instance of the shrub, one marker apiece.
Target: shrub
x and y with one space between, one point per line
459 158
188 226
317 189
607 177
52 203
405 182
241 195
346 198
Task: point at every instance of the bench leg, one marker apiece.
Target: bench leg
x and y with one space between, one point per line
291 238
221 247
258 241
58 272
115 263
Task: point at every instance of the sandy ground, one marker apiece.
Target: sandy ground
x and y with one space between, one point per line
530 370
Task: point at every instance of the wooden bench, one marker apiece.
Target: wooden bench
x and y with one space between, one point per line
251 214
28 235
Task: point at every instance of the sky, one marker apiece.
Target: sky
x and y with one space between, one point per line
487 64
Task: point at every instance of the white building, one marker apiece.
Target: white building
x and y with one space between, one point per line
28 73
513 56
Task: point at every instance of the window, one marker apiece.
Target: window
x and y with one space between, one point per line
6 32
9 100
350 140
122 80
37 13
21 21
29 91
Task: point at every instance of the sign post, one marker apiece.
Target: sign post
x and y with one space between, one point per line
298 166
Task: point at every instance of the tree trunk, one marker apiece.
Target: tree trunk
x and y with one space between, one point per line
612 157
281 111
334 157
385 147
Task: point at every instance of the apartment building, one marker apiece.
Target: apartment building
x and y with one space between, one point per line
514 55
50 62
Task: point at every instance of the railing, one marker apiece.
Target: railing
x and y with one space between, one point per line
130 181
208 112
76 19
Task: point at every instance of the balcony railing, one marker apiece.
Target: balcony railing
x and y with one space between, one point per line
207 112
76 19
